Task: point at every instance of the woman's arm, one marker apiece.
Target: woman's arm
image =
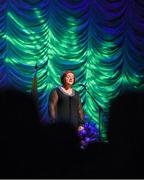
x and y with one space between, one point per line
34 83
53 99
81 112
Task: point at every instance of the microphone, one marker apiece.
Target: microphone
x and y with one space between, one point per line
80 84
35 69
36 66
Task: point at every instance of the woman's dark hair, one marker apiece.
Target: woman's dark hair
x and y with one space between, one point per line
65 74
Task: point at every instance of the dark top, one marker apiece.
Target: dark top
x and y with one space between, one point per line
65 108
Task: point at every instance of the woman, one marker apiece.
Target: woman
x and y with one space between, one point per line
64 103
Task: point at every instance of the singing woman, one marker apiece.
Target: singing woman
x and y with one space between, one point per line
65 104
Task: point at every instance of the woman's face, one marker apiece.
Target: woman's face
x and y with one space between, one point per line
69 79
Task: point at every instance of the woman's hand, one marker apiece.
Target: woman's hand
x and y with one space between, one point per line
80 128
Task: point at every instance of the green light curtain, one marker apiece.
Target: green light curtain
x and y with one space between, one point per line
101 41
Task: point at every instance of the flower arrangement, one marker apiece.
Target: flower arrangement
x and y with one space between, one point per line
89 134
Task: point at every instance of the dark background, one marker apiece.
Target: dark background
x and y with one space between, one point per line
30 149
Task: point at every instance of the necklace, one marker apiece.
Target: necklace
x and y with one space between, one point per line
69 91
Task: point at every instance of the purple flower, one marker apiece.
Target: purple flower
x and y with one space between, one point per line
89 134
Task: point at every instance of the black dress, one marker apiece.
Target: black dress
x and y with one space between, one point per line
66 108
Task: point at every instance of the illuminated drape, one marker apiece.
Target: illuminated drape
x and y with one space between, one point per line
102 41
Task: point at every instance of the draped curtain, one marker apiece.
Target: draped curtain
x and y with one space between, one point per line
101 41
